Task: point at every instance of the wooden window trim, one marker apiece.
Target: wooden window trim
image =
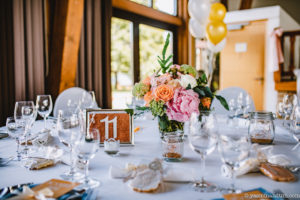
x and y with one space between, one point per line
145 11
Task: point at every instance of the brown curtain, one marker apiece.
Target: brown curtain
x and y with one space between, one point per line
22 53
6 61
93 72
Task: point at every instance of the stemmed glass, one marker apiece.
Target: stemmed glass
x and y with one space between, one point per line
68 129
234 148
295 126
44 107
203 140
25 115
86 148
14 131
288 101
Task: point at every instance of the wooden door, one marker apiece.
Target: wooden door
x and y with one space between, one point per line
244 67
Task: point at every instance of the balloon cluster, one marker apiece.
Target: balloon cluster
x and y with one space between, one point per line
207 21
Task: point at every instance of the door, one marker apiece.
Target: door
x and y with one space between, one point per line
242 61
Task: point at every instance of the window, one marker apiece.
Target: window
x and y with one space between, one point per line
136 42
121 61
167 6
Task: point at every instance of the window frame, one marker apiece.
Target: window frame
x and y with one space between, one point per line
137 20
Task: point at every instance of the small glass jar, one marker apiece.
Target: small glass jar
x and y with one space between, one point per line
172 145
111 146
261 127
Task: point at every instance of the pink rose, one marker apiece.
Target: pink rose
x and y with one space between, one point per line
183 104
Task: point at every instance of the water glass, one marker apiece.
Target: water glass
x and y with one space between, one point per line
85 149
295 126
25 115
44 107
203 140
234 148
68 130
14 131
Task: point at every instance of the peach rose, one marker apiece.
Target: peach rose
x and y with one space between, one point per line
147 80
148 97
206 101
164 92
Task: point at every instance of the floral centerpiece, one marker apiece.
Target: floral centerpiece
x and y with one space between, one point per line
174 92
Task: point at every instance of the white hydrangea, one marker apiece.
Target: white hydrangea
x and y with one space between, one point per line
186 79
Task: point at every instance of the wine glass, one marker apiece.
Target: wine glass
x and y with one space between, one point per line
44 107
24 115
234 147
85 149
295 126
288 101
68 130
14 131
92 93
203 140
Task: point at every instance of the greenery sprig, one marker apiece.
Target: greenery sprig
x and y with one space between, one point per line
165 62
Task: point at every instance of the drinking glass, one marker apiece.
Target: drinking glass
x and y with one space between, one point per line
25 114
85 149
92 93
68 129
295 126
44 107
289 101
203 140
14 131
234 147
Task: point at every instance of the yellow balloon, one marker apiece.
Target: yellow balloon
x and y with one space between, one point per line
217 12
216 31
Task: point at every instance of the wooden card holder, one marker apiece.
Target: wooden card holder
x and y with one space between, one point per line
111 123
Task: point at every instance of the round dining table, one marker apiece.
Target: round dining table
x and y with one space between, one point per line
147 146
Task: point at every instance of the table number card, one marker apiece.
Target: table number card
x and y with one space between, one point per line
112 123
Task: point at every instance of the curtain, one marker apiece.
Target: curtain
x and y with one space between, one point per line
93 70
6 61
22 53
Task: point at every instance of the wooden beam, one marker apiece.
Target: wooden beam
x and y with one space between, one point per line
185 40
65 38
245 4
287 86
146 11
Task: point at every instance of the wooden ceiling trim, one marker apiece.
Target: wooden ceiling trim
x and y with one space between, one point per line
146 12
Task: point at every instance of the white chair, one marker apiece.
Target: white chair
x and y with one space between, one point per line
230 93
72 99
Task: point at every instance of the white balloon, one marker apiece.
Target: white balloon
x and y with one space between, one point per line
199 9
218 47
196 29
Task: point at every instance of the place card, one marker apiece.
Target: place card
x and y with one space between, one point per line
58 187
112 123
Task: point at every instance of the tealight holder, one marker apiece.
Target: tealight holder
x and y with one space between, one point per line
172 145
111 146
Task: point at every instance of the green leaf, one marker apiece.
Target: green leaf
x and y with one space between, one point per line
208 92
129 111
166 46
203 78
163 123
168 59
223 102
199 91
142 108
189 87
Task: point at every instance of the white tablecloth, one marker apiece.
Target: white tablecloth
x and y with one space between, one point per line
147 147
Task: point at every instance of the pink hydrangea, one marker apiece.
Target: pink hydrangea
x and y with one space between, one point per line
183 104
